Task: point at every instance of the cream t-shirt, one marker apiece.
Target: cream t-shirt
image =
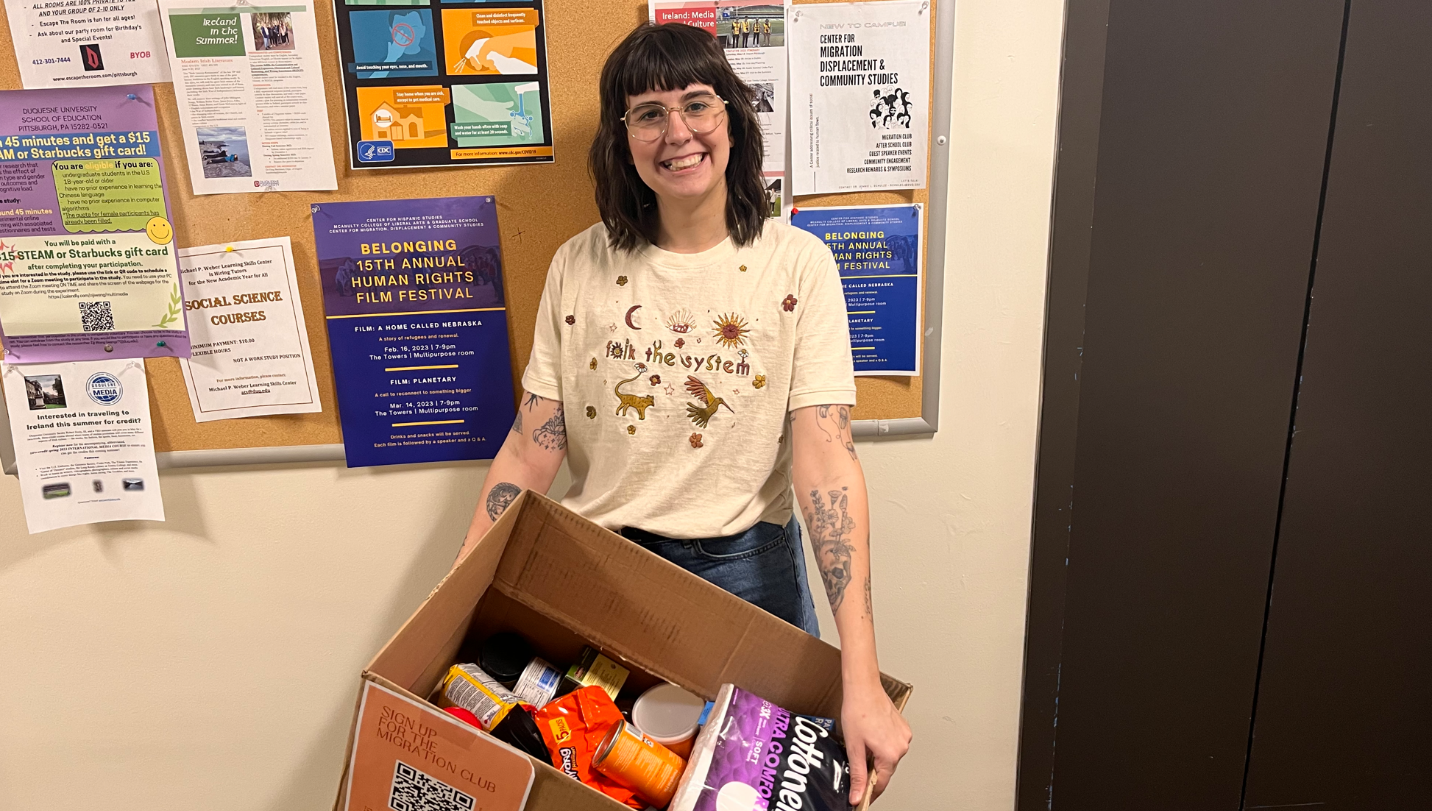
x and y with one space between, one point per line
676 372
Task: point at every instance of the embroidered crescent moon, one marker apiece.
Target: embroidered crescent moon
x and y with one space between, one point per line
628 316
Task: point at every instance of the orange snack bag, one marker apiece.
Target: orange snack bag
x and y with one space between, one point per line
573 726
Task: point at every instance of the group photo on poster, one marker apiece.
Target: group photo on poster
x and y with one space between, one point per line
431 83
417 327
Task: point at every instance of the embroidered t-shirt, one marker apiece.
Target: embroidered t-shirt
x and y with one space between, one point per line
676 373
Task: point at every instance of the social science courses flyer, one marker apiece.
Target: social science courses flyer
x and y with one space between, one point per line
438 83
87 264
417 328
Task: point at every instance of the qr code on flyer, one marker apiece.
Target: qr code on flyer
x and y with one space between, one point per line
96 316
415 791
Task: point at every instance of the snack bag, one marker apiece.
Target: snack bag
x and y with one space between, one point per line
573 727
753 754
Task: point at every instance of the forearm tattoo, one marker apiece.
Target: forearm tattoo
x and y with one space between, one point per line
517 423
869 604
500 497
553 433
834 422
531 401
830 528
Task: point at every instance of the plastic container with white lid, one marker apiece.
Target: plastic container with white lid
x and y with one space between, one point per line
669 716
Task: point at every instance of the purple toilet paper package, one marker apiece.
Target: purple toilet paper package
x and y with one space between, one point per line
755 756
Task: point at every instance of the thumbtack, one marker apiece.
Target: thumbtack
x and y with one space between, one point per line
131 96
108 348
229 249
161 344
795 210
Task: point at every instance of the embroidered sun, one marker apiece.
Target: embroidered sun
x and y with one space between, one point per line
730 330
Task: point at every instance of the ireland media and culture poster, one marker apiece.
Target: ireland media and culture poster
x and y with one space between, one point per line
87 263
417 327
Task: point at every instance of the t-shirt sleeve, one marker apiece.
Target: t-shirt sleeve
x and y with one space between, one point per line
822 372
543 376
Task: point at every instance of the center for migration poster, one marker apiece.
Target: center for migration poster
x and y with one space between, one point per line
417 327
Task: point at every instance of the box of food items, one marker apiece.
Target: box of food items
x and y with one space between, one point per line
561 667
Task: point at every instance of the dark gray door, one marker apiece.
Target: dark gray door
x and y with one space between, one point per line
1343 718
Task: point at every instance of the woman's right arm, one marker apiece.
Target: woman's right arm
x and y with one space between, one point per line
528 460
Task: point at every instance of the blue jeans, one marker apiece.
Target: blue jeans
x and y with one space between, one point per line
765 566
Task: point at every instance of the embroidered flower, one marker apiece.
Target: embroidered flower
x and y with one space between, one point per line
571 319
743 268
789 304
656 380
759 382
631 429
592 365
730 330
680 342
695 440
621 281
591 412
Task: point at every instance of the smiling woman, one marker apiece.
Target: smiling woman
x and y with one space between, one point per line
696 462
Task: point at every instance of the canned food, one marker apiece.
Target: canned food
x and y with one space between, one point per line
639 763
467 686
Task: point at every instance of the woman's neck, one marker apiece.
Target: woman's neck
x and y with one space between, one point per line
695 225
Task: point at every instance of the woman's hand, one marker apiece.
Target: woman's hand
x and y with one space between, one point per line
874 730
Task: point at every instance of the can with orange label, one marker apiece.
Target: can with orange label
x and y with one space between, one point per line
639 763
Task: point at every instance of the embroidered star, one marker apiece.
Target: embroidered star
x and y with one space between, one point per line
611 327
670 389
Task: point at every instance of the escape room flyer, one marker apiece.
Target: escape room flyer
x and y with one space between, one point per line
87 265
417 327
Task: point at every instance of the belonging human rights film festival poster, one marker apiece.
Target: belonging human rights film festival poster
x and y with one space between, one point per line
84 444
87 43
417 327
249 84
753 34
440 83
250 344
860 96
87 267
877 249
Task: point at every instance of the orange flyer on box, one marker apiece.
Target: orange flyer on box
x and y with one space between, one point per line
407 754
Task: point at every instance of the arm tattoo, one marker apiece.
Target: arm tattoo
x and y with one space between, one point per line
839 430
531 401
517 423
869 605
553 433
500 497
830 528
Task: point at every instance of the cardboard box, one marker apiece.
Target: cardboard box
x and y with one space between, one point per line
564 582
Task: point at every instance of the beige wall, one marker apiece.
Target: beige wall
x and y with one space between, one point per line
211 662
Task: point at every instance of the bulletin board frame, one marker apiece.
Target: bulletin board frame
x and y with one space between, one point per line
931 307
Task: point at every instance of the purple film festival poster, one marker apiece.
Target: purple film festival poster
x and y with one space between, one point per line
87 260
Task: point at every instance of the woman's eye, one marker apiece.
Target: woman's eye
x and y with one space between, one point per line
697 107
648 116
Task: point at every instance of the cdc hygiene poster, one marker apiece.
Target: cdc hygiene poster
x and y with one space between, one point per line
417 328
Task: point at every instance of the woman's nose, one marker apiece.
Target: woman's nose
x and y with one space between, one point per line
676 130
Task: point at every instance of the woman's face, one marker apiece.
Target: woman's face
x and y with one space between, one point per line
681 164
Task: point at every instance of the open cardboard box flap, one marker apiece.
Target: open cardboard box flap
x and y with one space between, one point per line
549 573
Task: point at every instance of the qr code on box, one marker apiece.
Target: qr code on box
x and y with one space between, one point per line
96 316
415 791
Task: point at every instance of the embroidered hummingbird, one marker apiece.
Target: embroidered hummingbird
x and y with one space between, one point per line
700 415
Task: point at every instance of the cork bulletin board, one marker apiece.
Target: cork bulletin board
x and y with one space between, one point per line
539 208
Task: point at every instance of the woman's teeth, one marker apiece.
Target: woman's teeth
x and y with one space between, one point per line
683 163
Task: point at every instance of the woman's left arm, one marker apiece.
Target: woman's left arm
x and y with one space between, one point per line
830 486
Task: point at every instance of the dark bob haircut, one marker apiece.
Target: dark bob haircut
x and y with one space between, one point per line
672 57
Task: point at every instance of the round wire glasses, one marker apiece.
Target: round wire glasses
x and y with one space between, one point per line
702 114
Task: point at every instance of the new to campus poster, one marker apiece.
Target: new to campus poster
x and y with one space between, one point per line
417 328
441 83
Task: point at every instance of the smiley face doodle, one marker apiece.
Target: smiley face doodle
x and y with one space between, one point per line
159 230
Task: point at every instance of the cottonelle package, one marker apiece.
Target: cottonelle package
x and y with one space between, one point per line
754 755
564 583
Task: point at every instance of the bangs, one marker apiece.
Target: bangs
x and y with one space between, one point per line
671 59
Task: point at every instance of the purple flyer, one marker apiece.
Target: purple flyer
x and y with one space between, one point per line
87 261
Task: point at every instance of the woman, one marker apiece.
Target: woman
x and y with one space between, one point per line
692 361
